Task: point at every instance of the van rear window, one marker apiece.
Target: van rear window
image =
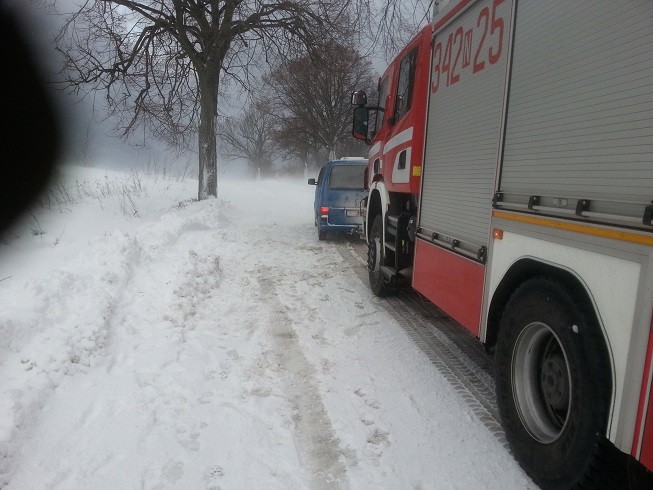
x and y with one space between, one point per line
347 177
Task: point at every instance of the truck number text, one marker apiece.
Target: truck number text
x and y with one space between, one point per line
450 59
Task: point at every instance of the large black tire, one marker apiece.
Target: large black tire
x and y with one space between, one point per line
553 385
376 257
321 234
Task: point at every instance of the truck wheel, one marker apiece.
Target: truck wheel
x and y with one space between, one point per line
553 385
375 258
321 234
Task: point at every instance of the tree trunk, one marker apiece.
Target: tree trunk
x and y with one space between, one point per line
332 153
208 155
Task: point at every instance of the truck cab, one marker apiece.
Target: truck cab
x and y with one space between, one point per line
396 123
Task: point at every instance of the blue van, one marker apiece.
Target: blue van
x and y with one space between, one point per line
338 195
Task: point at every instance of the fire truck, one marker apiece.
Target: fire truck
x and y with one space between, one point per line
510 182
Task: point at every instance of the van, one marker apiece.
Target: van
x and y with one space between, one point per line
338 195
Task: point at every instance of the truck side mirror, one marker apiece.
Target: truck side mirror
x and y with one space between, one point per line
311 182
361 124
359 98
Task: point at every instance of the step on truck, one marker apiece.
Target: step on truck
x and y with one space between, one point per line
510 182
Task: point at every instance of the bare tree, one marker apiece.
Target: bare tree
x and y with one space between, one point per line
250 136
385 26
160 63
399 21
87 147
313 94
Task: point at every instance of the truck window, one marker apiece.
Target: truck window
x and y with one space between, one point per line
405 84
383 94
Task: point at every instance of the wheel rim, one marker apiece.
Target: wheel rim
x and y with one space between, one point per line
374 256
374 252
542 387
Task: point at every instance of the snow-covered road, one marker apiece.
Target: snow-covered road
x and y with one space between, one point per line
217 345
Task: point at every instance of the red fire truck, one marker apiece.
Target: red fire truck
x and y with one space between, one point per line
510 182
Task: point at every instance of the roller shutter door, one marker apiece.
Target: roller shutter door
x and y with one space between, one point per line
463 129
580 117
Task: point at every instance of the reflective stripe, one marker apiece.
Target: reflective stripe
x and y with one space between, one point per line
403 137
577 228
374 150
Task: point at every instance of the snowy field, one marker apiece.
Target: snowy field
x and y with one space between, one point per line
150 341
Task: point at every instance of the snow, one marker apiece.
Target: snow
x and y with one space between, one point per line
152 341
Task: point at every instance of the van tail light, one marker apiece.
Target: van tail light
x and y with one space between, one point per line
324 210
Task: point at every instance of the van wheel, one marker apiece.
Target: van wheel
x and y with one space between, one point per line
553 385
321 234
375 258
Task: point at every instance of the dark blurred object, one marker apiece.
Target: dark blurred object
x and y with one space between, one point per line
31 137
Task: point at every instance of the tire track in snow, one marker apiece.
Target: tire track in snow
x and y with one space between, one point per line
457 355
317 446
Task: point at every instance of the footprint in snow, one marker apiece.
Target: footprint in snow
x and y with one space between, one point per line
370 402
173 471
212 475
